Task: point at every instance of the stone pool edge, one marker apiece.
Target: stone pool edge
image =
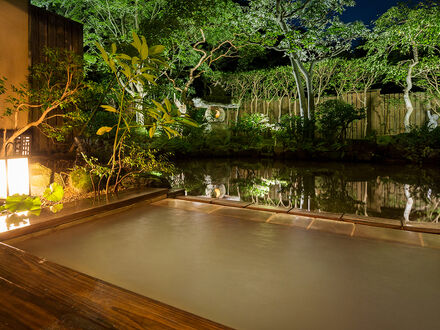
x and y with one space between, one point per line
336 223
45 224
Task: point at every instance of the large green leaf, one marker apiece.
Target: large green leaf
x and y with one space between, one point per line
156 50
136 42
21 203
54 193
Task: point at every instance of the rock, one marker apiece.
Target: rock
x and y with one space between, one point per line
40 178
79 180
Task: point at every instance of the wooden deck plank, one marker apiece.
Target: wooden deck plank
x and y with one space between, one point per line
36 293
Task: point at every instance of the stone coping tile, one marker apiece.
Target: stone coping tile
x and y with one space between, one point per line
196 199
226 202
242 213
430 240
269 208
332 226
291 220
373 221
317 214
387 234
187 205
426 227
175 192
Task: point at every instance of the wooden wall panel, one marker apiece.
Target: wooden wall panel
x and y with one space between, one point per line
49 30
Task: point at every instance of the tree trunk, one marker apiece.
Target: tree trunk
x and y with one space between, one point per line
408 104
299 86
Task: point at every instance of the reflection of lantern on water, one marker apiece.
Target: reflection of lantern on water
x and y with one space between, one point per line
13 221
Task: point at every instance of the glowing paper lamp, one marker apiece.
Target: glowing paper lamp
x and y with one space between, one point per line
14 177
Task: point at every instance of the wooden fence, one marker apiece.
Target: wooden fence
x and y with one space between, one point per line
384 112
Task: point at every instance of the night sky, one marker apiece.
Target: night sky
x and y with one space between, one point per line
368 10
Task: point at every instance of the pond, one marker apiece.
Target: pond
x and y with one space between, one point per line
399 192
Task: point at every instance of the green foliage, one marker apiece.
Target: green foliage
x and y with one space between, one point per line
333 118
54 193
293 131
134 74
21 203
17 204
253 127
80 180
54 93
404 36
419 144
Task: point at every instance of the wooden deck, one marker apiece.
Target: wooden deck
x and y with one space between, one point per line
36 293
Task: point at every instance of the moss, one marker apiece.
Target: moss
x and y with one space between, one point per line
79 180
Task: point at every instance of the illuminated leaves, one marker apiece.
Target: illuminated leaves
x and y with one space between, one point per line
103 130
54 193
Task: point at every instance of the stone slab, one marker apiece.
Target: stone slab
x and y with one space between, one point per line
334 227
187 205
242 213
430 240
196 199
316 214
426 227
226 202
269 208
387 234
372 221
174 192
291 220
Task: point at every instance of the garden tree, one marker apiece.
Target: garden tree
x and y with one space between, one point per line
149 60
235 84
306 31
54 92
430 81
206 35
127 158
356 76
323 75
401 39
105 22
195 33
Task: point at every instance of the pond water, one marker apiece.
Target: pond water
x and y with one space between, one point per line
398 192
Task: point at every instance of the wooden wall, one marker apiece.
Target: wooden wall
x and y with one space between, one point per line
14 56
49 30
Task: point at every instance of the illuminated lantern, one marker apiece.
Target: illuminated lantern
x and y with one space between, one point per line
14 176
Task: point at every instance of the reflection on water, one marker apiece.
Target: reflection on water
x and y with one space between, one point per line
14 221
397 192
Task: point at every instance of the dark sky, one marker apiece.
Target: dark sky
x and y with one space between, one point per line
368 10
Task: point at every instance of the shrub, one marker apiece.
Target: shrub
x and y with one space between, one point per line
293 129
254 126
333 118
